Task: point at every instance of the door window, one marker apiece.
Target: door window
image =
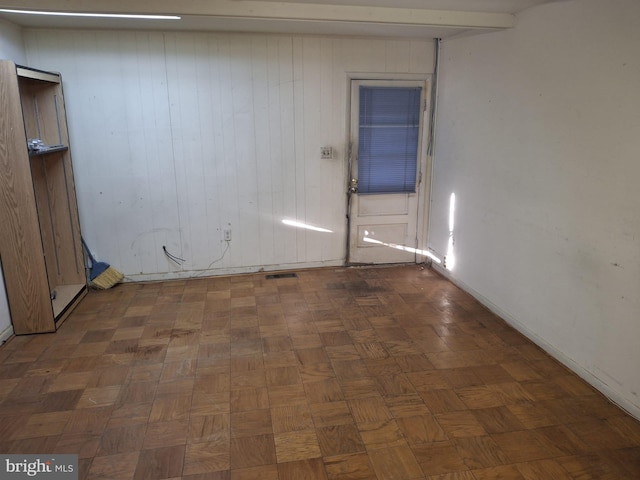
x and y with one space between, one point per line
389 131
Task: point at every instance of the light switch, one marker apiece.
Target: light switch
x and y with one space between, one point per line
326 153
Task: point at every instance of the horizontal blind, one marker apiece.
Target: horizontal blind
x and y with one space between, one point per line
389 128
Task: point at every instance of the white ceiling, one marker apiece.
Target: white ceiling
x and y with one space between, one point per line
494 6
395 18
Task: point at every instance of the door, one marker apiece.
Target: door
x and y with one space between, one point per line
387 162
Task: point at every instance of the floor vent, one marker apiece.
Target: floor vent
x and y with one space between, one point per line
282 275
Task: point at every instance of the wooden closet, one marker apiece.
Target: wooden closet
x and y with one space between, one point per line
40 247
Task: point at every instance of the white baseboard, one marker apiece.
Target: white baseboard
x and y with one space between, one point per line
612 394
5 334
182 275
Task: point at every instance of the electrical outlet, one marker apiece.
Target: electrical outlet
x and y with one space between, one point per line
227 235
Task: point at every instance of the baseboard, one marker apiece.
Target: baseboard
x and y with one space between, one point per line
613 395
6 334
182 275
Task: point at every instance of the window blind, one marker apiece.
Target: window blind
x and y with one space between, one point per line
389 128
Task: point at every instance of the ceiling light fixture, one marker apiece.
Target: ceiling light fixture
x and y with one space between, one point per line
98 15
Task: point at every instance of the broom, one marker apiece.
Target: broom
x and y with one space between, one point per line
101 274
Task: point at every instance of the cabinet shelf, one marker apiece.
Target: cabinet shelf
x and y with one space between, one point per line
65 296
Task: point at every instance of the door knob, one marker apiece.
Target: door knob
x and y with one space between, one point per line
353 185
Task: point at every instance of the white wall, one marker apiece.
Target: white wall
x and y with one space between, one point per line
178 136
5 317
11 42
11 48
538 137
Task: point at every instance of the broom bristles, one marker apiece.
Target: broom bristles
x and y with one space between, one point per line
107 279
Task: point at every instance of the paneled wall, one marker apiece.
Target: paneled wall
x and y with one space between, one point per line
11 42
177 137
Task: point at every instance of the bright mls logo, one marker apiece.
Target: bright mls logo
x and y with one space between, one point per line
51 467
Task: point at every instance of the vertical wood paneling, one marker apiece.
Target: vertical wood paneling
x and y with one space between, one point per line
397 56
220 187
299 183
132 65
316 69
260 86
209 94
227 189
245 139
421 56
119 128
272 189
185 113
157 154
286 167
332 134
179 136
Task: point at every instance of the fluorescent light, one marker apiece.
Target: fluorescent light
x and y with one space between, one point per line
99 15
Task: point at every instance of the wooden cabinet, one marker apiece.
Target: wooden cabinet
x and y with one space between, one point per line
40 247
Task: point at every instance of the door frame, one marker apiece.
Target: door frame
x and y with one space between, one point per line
424 165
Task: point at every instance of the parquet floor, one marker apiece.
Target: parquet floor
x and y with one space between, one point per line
364 373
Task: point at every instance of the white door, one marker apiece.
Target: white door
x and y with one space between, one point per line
387 167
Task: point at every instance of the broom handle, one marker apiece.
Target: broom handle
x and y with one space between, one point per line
93 260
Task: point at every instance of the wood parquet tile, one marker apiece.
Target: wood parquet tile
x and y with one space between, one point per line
338 374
